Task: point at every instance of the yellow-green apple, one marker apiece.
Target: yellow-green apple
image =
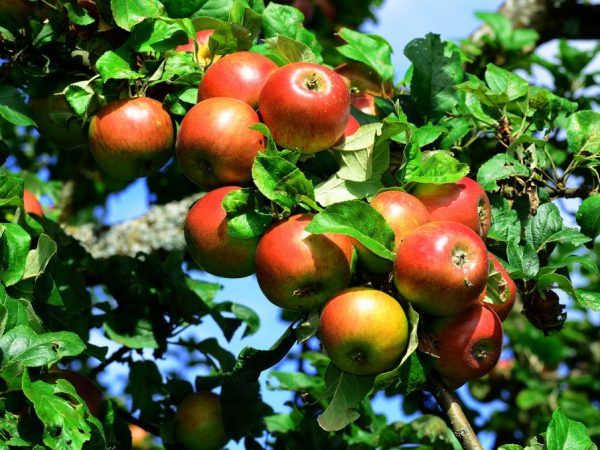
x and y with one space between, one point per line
441 268
404 213
501 291
32 204
89 391
361 78
204 55
209 242
239 75
306 106
468 345
364 331
464 201
131 138
199 422
299 270
215 145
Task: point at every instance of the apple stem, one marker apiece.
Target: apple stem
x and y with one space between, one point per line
453 411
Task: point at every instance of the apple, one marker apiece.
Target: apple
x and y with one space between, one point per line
464 201
404 213
131 138
298 270
32 204
239 75
468 344
441 268
204 54
199 422
351 127
502 300
361 78
209 242
364 331
215 145
306 106
89 391
364 102
55 119
140 438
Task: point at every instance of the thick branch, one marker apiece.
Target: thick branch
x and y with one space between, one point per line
453 411
159 229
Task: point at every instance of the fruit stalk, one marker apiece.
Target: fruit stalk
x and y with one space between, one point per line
450 406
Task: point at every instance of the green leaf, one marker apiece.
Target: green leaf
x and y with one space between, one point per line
506 226
63 413
284 20
20 312
434 76
360 158
79 95
117 65
335 190
244 218
13 107
346 391
78 14
564 433
296 381
156 35
14 247
499 167
570 235
11 189
24 347
140 335
371 50
280 181
588 299
128 13
38 259
530 398
524 259
145 381
437 167
583 132
289 50
3 318
588 216
501 81
546 223
548 281
358 220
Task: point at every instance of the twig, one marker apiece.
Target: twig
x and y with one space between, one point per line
453 411
149 427
116 356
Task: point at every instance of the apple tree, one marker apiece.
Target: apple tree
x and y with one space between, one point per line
421 232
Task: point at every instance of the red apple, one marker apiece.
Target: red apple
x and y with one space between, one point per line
131 138
209 242
363 102
361 78
204 54
298 270
89 391
32 204
468 344
306 106
351 127
215 145
199 422
140 438
502 299
364 331
404 213
441 268
239 75
464 201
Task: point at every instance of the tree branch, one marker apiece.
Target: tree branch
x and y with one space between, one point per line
453 411
159 229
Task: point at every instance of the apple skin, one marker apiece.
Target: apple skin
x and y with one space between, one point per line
507 291
351 127
364 331
364 102
199 422
140 438
89 392
306 106
464 201
215 145
204 55
298 270
239 75
131 138
32 204
404 213
441 268
209 242
468 344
